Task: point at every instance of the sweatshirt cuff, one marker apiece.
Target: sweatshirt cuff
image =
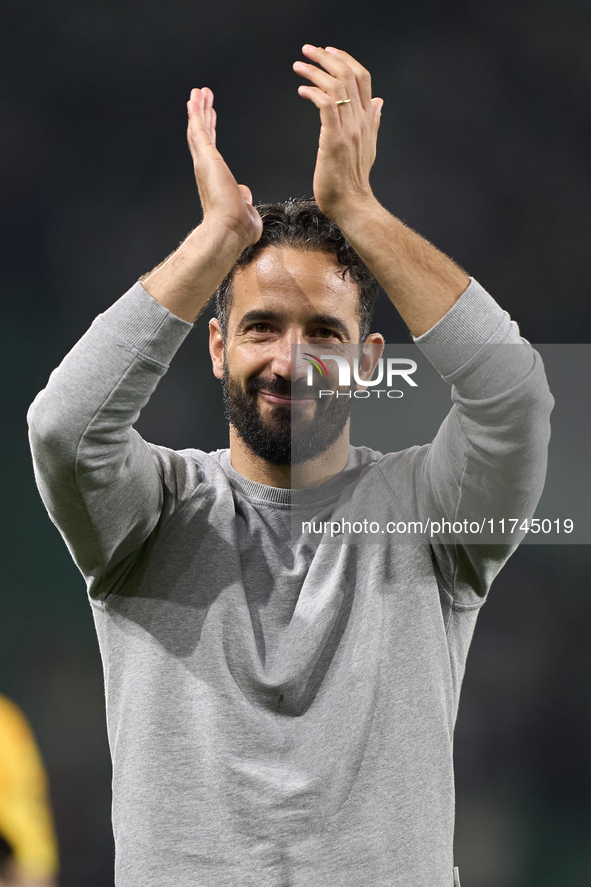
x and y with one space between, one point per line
146 325
463 330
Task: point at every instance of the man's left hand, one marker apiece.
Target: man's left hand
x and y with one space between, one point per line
349 130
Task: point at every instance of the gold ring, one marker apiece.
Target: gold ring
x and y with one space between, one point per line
343 102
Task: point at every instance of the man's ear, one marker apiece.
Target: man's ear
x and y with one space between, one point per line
373 348
216 347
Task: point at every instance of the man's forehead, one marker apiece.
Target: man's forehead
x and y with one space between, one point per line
282 278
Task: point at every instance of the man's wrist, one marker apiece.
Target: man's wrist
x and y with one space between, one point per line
187 279
349 213
225 241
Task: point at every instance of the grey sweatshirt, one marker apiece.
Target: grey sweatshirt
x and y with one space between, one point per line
279 714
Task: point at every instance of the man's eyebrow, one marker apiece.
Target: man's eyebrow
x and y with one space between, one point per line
331 321
258 315
328 320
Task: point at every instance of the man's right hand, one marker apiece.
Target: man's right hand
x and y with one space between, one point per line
184 282
224 202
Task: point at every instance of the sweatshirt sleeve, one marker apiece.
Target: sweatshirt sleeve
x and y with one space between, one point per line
101 483
488 460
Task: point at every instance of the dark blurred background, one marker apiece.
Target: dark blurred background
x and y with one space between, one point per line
484 149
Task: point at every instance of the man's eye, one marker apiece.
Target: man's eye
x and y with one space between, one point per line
324 333
260 327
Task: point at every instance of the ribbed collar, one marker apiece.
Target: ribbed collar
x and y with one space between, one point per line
250 489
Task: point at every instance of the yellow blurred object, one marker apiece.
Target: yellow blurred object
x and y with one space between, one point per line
26 821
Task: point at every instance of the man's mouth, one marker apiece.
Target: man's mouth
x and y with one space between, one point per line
283 399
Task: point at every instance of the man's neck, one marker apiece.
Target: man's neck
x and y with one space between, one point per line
307 474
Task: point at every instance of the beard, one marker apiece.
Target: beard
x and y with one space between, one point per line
283 438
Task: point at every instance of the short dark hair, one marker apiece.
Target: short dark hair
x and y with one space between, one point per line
298 223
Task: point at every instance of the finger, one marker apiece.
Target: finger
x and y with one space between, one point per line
246 193
201 113
197 135
362 75
329 84
345 68
196 98
206 108
256 219
329 112
214 118
195 125
376 108
337 68
208 112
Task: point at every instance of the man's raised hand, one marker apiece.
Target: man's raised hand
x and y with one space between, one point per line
224 202
350 119
186 280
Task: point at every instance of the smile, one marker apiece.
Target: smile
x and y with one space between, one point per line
281 399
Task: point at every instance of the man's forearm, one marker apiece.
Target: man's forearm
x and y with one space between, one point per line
187 279
421 281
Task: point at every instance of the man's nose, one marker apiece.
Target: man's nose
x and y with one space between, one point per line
287 358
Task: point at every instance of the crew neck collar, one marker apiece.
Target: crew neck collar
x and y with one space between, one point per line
325 492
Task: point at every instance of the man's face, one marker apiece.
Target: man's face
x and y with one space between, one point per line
285 297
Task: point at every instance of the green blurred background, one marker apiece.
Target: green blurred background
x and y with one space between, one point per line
484 148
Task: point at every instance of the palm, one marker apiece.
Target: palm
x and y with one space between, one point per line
222 198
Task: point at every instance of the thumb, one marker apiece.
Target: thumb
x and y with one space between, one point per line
376 107
246 193
257 222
